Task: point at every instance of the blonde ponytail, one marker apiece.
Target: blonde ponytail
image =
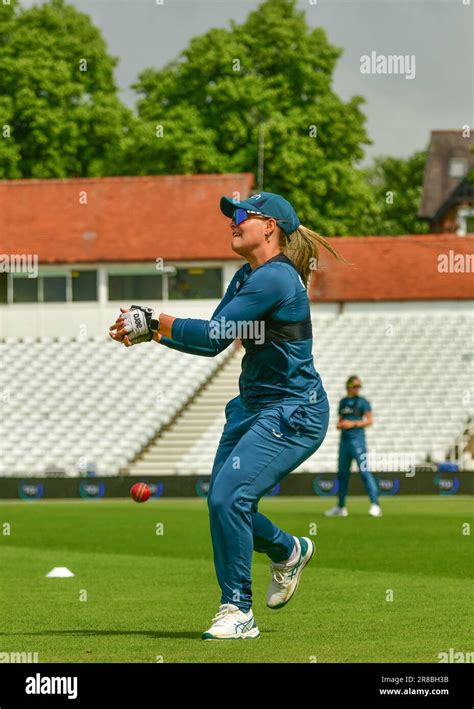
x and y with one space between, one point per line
302 247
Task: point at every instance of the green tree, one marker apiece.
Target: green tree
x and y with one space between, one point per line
397 184
9 149
204 112
59 110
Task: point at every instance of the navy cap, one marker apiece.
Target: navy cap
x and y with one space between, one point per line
267 203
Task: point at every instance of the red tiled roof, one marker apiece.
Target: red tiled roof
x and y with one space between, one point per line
394 268
125 218
130 218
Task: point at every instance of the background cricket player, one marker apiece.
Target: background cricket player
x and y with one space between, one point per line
281 415
355 414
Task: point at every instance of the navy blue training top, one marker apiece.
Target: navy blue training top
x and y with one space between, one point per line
353 408
277 371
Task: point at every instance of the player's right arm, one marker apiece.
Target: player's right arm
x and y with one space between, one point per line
341 423
187 348
367 420
168 342
261 292
203 351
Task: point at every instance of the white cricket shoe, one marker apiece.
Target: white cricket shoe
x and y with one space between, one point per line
375 511
230 623
286 577
337 512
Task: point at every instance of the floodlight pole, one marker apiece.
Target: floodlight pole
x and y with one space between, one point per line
261 155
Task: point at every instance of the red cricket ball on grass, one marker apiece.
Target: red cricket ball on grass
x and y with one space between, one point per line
140 492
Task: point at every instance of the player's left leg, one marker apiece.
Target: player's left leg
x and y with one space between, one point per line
267 537
370 484
270 539
286 568
343 477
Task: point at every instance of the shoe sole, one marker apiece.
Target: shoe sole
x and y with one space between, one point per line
250 635
313 549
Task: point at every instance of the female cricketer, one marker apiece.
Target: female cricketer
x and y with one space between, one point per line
355 414
280 416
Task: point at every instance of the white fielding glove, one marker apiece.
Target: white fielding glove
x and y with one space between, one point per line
140 324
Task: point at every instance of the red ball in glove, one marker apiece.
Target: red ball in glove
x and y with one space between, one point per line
140 492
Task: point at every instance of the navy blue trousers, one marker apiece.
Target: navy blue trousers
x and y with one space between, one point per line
256 451
349 450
